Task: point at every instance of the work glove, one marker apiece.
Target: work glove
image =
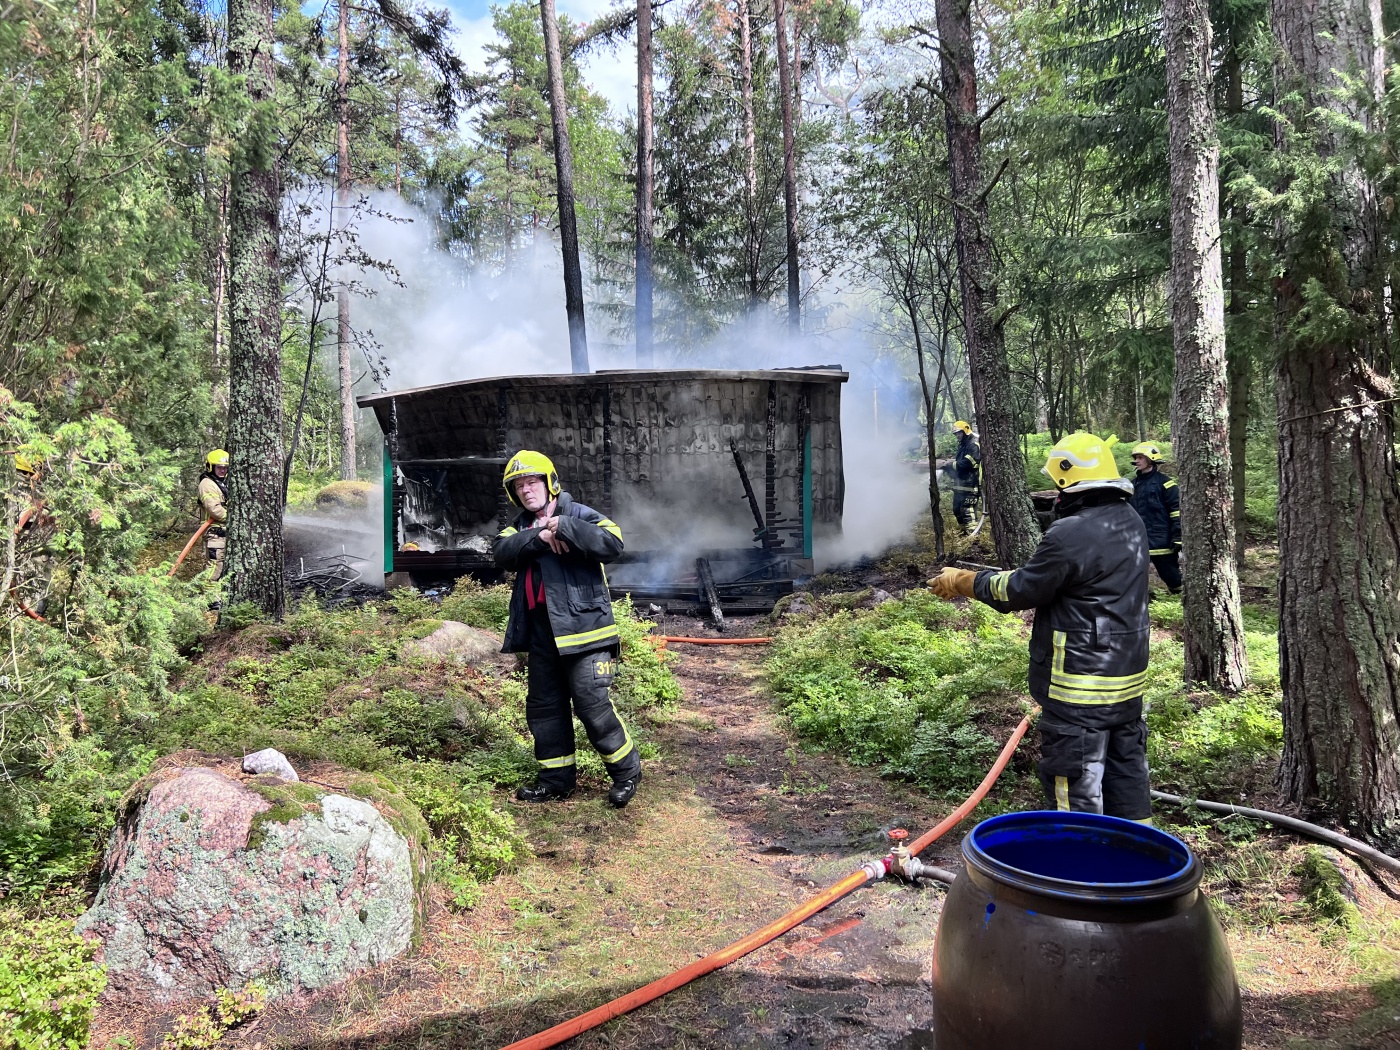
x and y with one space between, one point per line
953 583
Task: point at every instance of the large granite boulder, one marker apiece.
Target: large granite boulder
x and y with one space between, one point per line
213 879
456 642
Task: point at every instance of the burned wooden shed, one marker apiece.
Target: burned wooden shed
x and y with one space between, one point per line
740 468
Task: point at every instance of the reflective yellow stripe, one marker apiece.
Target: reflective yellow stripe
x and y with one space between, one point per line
1062 794
571 641
1176 514
1169 484
611 526
556 763
626 747
509 530
1145 820
999 585
1164 550
1090 688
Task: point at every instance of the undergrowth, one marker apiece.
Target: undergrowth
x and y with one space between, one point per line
322 685
912 686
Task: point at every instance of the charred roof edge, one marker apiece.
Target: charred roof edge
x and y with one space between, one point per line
827 374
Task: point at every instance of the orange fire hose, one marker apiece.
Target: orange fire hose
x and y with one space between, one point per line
190 546
712 641
656 989
14 597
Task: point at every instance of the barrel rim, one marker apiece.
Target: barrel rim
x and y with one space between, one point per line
1180 882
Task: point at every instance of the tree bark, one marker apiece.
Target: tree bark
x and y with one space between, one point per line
1237 354
1339 508
564 173
794 272
344 338
751 232
1003 467
644 185
1212 624
255 553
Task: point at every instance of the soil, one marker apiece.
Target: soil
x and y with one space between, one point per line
735 824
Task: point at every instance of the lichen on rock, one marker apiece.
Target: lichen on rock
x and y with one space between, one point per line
211 882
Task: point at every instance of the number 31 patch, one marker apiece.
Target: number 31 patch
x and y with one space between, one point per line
604 668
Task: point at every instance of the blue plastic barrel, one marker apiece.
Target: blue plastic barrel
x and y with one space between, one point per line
1075 931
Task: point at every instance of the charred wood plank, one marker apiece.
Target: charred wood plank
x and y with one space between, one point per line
707 591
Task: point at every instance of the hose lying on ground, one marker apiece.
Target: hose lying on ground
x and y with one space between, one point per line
711 641
1302 827
875 869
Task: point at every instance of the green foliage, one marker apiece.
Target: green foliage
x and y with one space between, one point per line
206 1026
896 686
474 840
1323 888
1207 742
486 608
49 984
643 679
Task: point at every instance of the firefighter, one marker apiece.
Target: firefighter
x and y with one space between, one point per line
561 617
967 483
1158 502
213 497
1087 582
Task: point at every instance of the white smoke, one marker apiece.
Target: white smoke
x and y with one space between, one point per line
450 321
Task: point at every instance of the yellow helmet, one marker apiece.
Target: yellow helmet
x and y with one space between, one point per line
527 464
25 465
1148 449
217 458
964 426
1084 461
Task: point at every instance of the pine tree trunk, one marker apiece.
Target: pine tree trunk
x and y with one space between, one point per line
1237 352
1212 624
751 232
342 197
1003 467
564 172
644 185
1339 507
794 273
255 554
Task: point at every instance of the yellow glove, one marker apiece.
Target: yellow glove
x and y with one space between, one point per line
953 583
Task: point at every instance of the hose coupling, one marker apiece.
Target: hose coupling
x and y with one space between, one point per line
876 869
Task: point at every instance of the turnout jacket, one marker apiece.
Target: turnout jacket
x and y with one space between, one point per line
575 587
1158 502
965 462
1087 582
213 499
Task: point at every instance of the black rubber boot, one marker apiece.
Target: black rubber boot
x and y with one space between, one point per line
622 790
543 793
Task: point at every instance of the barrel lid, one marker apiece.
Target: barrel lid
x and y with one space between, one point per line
1085 857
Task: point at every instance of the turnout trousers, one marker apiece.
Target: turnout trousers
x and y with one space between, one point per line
1168 567
1098 769
558 687
965 507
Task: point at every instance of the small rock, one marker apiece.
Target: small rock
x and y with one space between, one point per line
269 760
799 606
880 597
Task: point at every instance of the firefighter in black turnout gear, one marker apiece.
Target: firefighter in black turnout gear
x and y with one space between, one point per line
967 481
1087 582
561 617
1158 502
